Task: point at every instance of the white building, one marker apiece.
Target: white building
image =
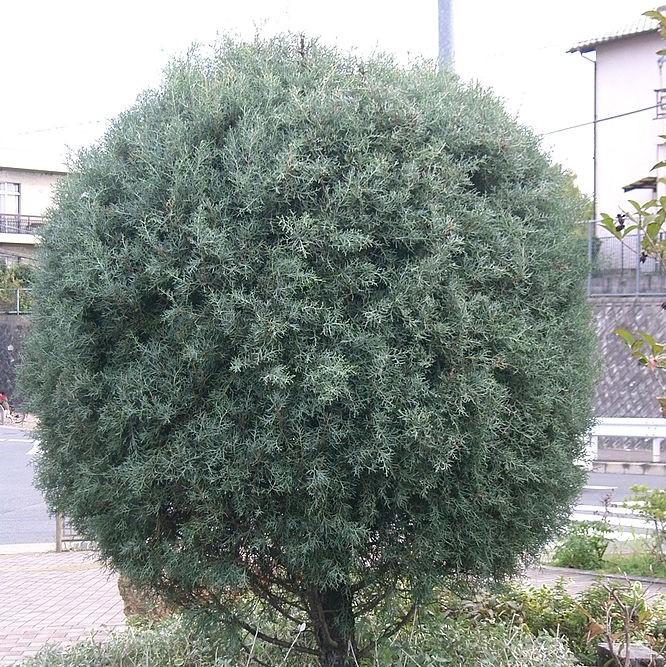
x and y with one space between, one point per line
25 194
630 108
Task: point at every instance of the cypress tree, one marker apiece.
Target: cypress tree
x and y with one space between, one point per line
313 328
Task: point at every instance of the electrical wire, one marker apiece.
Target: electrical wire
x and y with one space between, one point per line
600 120
57 128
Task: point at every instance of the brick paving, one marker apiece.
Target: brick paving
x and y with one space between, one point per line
54 598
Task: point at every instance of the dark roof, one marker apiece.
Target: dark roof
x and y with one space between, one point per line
645 183
643 26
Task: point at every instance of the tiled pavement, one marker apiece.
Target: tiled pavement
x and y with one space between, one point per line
577 580
52 597
61 598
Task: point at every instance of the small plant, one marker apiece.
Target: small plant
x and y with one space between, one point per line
599 613
583 546
638 563
432 640
651 505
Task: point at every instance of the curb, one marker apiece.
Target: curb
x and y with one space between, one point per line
629 468
564 571
30 548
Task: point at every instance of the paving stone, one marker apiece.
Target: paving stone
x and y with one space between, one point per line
54 598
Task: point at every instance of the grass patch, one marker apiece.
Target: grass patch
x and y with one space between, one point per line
637 564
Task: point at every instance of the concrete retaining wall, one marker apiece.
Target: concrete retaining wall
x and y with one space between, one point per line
12 333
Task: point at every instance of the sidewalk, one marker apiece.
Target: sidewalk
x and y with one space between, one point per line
578 580
54 597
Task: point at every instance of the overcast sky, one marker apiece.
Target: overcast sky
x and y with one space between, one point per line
69 65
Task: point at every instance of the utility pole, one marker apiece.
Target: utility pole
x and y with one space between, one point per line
445 56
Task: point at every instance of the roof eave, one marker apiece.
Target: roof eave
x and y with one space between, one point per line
586 47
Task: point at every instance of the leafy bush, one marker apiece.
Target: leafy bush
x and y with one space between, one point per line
651 505
639 563
434 641
583 545
579 619
14 277
320 329
168 644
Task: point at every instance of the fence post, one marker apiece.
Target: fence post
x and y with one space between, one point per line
638 261
656 450
59 530
590 254
593 448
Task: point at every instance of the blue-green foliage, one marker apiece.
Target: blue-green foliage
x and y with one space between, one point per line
311 325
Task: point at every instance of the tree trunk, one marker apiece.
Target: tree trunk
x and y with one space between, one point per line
333 619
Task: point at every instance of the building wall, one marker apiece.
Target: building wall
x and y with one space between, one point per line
36 188
628 73
36 196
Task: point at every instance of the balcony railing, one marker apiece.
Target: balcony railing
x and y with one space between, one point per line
617 268
20 224
661 102
15 300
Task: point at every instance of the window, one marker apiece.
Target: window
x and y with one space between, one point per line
10 198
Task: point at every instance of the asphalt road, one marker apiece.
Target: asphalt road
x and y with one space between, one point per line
24 517
618 486
23 514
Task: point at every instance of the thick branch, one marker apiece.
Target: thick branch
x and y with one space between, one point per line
274 601
300 648
255 632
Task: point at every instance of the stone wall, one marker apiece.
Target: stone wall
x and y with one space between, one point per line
626 389
12 333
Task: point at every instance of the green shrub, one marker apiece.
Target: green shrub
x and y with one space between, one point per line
639 563
576 618
651 505
432 641
320 330
583 545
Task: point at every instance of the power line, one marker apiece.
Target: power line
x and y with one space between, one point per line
600 120
56 128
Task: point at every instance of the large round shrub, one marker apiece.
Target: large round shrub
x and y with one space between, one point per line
314 327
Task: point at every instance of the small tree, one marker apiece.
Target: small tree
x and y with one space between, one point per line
320 332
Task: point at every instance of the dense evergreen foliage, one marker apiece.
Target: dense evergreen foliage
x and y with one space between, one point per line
311 327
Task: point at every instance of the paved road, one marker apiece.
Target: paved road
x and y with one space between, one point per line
601 484
23 514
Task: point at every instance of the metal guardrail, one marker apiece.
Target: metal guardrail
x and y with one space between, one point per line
67 539
617 268
653 429
15 300
20 224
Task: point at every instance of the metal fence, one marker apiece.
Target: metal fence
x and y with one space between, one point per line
15 300
67 539
20 224
617 268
